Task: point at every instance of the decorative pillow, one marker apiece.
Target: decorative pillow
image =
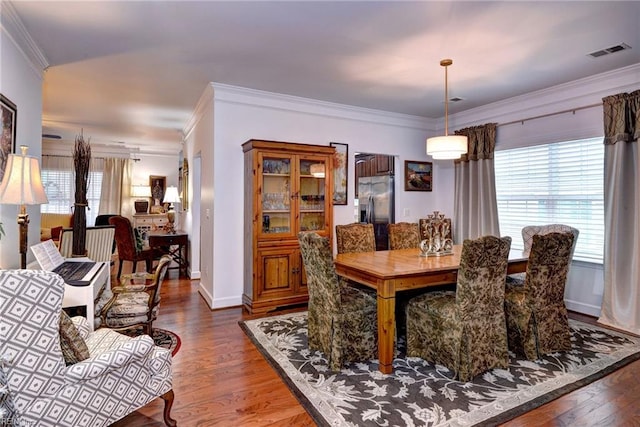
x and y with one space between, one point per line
73 347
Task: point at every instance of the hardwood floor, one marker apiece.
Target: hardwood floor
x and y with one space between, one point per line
220 378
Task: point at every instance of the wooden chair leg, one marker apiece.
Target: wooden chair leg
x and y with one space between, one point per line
120 268
168 403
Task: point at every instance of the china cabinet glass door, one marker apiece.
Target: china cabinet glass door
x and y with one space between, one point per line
311 197
276 194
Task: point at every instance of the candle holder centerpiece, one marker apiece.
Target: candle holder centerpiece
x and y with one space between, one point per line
436 228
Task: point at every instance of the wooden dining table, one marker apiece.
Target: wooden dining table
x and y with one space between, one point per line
389 272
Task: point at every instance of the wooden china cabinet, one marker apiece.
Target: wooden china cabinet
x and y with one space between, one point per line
287 190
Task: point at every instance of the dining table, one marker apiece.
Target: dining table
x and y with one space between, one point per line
393 271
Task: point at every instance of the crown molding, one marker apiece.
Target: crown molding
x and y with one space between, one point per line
203 103
258 98
15 31
575 94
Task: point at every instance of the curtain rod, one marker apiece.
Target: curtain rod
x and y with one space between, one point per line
99 158
570 110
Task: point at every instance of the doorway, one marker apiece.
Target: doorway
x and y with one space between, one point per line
374 190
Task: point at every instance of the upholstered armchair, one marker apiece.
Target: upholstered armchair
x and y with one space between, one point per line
527 239
537 321
342 318
54 372
465 330
128 249
404 235
135 305
355 237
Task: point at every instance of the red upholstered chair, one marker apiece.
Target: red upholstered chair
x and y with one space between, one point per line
127 247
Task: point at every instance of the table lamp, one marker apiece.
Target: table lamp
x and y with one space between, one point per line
171 196
22 185
144 193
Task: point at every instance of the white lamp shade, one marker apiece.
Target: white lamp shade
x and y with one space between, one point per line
143 191
22 183
447 147
171 195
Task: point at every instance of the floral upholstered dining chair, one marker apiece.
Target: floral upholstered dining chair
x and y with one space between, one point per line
342 319
465 330
355 237
404 235
537 321
527 239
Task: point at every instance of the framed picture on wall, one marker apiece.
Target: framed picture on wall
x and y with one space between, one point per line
158 186
418 176
340 173
9 114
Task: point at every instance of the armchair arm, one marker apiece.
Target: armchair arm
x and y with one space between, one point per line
137 348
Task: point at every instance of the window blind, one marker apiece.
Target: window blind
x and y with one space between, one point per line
558 183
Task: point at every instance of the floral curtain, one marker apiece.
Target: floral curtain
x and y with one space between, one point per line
621 299
475 205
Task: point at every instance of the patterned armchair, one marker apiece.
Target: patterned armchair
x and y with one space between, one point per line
355 238
527 238
54 372
342 318
132 305
404 235
536 315
465 330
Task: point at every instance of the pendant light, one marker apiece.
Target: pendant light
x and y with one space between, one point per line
447 146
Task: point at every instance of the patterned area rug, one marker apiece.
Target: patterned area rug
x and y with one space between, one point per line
162 338
421 394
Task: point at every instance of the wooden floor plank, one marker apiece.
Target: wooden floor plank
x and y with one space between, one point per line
221 379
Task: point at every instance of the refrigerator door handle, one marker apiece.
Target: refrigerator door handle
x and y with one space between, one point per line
369 214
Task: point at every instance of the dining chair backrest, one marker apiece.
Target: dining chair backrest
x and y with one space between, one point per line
355 237
404 235
481 277
531 230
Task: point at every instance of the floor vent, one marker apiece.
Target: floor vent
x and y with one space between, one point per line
612 49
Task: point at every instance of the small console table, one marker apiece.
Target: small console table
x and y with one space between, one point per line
175 245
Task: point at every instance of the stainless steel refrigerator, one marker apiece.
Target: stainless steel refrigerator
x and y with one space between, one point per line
376 204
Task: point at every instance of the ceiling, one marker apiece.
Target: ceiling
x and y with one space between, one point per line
130 73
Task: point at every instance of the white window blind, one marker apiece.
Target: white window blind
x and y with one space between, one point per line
559 183
58 182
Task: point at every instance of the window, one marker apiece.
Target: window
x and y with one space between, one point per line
554 183
58 182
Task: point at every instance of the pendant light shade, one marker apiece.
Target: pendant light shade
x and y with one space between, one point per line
447 146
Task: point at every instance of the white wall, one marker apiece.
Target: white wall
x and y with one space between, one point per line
585 285
20 82
242 114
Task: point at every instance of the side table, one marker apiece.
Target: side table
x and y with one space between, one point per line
175 245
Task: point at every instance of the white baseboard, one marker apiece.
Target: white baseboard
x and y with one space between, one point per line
580 307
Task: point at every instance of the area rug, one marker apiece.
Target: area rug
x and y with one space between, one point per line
418 393
161 337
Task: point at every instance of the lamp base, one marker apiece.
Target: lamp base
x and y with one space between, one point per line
23 223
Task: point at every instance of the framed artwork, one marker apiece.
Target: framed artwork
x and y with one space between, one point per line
158 186
8 137
340 173
418 176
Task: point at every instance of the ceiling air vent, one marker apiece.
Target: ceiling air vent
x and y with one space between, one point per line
612 49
